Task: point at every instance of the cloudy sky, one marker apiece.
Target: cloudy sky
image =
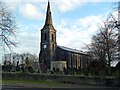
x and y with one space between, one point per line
75 21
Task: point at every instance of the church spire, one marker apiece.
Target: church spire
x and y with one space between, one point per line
48 21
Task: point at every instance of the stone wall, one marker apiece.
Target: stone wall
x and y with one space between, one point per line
106 81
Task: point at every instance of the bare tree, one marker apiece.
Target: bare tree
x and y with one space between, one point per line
29 56
7 26
116 23
104 45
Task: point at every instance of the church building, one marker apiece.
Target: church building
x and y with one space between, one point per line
53 56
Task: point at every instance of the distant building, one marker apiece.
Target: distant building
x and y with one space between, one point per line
54 56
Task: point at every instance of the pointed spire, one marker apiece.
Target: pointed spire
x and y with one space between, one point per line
48 20
48 7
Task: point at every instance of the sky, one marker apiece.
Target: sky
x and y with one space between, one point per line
76 21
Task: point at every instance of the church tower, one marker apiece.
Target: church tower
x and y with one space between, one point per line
48 42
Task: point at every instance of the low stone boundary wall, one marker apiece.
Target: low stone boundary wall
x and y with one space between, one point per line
104 81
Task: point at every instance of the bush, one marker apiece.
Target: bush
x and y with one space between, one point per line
23 69
17 68
111 81
7 68
30 69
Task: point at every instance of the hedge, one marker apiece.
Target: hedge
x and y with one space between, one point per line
96 80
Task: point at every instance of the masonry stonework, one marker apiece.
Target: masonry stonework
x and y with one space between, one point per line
51 53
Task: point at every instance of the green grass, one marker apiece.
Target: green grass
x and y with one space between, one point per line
33 83
28 81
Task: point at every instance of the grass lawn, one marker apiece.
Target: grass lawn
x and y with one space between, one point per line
39 84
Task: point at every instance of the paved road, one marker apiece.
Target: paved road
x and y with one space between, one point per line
78 88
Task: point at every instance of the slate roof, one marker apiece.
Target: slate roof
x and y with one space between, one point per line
71 50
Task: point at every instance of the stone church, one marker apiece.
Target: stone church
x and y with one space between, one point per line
53 56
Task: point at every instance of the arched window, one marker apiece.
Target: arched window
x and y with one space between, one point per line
52 46
52 37
45 36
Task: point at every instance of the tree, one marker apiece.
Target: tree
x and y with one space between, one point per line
7 26
32 57
10 60
104 43
27 60
96 68
115 22
118 66
16 60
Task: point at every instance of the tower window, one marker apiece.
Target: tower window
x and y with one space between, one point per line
52 37
52 46
45 37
